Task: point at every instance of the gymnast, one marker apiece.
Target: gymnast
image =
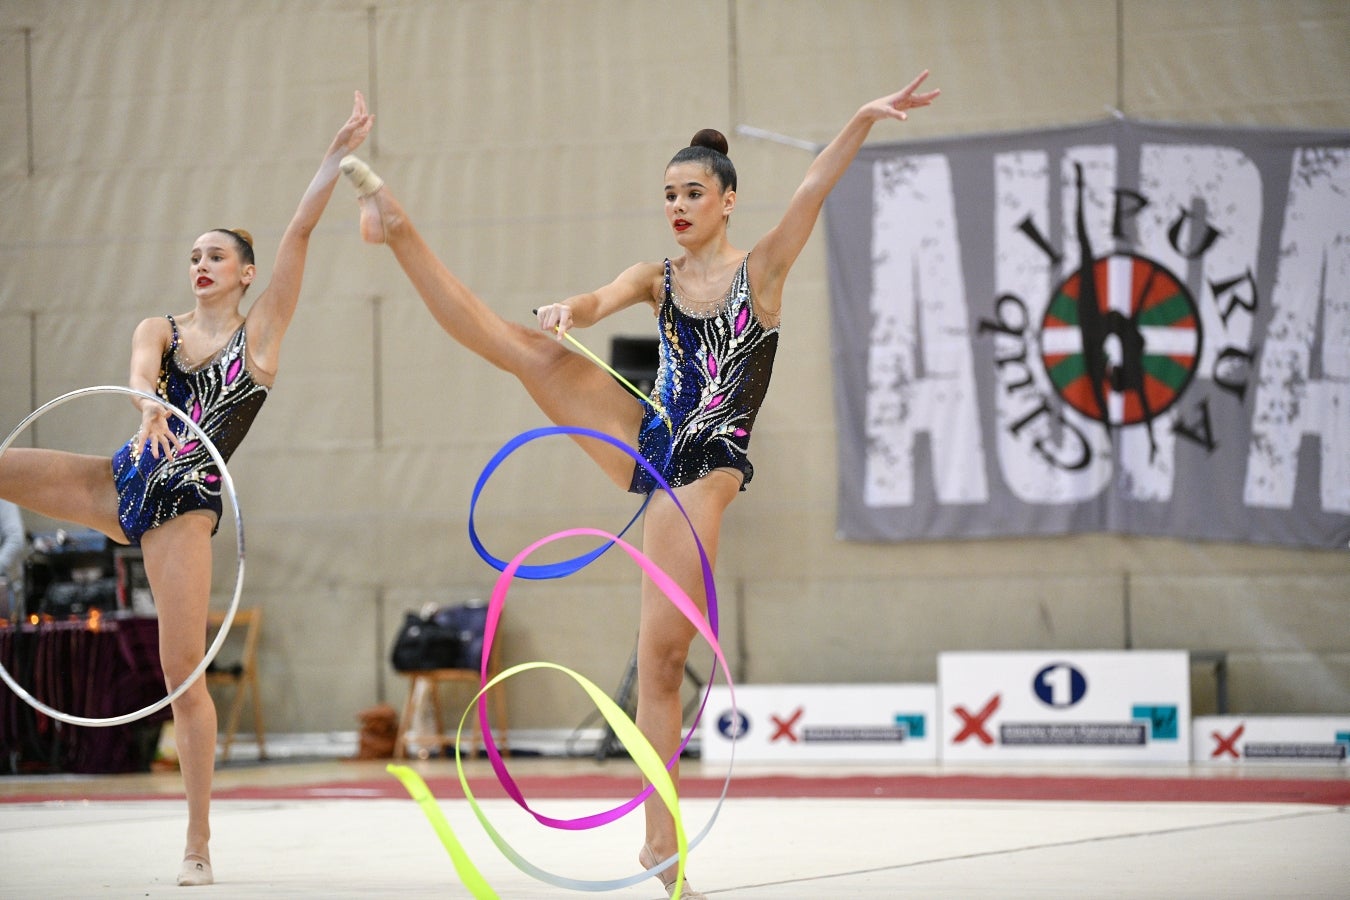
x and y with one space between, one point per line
718 311
162 490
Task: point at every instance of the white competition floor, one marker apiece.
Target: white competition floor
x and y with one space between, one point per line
342 829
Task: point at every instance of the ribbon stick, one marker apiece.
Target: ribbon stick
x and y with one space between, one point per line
589 354
654 770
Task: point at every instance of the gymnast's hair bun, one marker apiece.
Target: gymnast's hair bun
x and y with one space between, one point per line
243 242
710 138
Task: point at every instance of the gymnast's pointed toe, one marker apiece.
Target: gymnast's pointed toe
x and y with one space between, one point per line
362 177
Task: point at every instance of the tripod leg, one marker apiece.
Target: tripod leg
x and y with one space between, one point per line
609 742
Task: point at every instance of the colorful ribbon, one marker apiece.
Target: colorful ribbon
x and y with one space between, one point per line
552 570
567 567
654 770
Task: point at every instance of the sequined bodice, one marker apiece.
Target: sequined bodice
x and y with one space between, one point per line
220 395
712 377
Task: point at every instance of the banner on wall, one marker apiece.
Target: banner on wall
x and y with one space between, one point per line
1123 326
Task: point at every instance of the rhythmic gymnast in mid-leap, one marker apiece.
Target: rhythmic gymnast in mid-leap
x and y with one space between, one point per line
718 309
162 490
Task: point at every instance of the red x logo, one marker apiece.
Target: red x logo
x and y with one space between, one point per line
1228 744
973 725
784 726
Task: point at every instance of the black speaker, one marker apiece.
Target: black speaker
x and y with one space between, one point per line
636 358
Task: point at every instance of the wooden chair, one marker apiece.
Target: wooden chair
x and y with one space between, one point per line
432 679
242 676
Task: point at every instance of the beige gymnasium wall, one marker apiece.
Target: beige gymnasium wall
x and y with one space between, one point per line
528 140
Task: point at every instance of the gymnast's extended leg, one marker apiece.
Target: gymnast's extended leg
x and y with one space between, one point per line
568 388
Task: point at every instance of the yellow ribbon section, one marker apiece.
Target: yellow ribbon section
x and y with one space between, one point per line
464 867
644 755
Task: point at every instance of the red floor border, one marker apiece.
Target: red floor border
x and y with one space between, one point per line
1245 789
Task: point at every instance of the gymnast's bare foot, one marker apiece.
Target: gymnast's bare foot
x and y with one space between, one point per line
367 184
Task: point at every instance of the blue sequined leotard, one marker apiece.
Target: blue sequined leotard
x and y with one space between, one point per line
222 397
712 376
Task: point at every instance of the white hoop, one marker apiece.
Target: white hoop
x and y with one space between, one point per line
238 583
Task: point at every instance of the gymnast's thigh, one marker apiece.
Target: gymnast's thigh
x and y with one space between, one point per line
69 487
572 390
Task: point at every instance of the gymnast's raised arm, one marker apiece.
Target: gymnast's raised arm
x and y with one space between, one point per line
775 253
271 313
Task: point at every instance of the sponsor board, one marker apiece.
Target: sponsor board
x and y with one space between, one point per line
1077 706
822 723
1277 739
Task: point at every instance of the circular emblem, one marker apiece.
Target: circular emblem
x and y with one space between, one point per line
1059 685
733 727
1121 339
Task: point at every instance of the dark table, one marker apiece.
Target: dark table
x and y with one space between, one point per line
98 667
